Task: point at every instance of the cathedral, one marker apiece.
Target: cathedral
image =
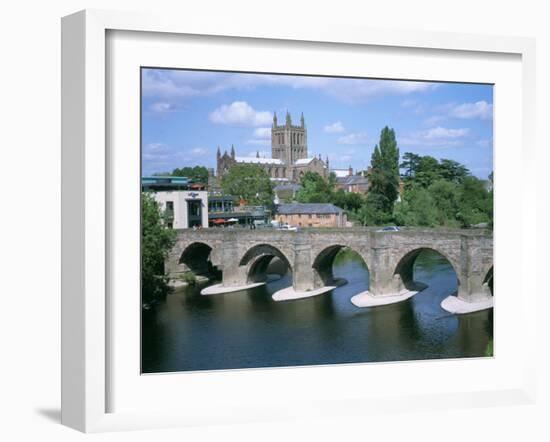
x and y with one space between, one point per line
289 156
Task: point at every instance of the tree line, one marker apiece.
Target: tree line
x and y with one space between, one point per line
419 191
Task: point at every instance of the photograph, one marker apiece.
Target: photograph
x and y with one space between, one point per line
304 220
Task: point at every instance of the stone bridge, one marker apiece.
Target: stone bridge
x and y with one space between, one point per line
243 257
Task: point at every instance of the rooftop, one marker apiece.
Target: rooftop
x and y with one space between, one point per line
164 179
294 187
352 179
305 208
159 182
255 160
303 161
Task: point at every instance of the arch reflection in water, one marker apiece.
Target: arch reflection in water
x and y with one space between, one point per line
248 329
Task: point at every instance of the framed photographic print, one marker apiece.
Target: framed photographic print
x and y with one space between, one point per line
269 222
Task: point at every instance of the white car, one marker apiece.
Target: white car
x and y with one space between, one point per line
288 228
389 229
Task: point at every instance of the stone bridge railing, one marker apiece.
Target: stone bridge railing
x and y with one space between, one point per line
243 255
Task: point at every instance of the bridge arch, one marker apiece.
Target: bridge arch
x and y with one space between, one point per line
196 256
257 258
404 268
323 264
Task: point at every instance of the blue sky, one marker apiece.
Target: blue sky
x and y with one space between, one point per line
187 114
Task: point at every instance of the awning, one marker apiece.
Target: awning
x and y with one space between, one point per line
232 220
218 221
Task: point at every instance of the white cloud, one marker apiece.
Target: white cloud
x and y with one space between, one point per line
177 84
261 137
198 151
160 157
436 137
334 128
434 120
354 138
262 132
156 148
240 113
479 109
442 133
362 90
163 107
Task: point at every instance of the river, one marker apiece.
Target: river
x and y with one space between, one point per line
248 329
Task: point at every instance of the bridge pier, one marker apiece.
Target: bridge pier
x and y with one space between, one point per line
387 286
302 278
234 275
474 293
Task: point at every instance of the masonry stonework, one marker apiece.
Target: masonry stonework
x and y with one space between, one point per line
243 256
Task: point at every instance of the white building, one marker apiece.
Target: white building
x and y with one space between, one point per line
184 209
183 206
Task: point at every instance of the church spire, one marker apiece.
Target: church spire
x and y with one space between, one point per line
302 120
218 153
232 152
288 119
274 119
327 162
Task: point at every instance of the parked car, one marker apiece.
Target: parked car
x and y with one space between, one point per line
389 229
288 228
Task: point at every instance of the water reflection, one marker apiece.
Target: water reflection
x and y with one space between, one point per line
248 329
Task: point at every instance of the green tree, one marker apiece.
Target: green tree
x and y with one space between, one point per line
249 182
445 198
339 198
315 189
374 211
156 242
410 164
384 179
423 211
475 203
353 201
453 171
198 174
427 171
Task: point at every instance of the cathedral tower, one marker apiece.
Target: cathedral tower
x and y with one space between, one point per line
288 142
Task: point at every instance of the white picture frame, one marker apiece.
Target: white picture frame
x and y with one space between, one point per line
86 199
